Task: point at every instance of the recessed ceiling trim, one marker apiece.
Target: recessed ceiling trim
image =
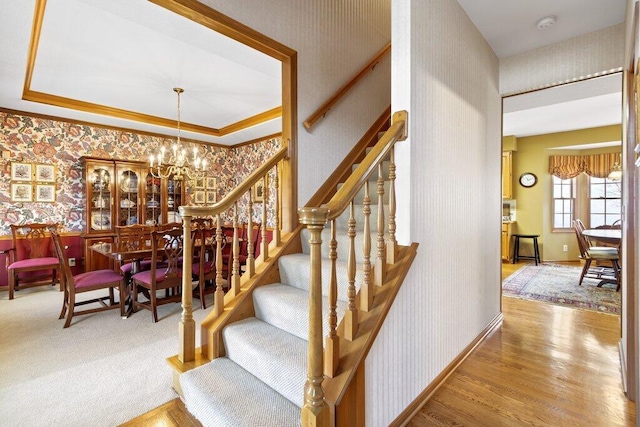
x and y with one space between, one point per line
60 101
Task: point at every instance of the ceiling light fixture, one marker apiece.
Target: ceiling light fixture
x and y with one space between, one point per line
177 165
546 22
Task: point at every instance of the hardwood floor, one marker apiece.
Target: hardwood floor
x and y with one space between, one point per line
545 366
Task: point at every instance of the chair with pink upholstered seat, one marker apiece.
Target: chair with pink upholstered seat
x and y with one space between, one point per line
86 282
31 260
165 272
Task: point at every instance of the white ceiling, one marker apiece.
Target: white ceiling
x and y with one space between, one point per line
510 28
130 54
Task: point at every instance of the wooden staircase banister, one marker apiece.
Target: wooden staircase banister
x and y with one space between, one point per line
229 200
340 201
324 108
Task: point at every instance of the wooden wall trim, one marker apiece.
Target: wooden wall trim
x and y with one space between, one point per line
415 406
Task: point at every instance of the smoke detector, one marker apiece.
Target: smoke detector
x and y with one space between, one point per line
546 22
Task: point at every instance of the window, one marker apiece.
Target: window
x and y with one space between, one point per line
563 202
604 201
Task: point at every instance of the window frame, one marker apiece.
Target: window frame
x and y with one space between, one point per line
572 200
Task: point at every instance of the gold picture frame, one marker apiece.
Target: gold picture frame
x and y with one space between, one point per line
22 172
212 197
198 183
46 193
210 183
45 173
21 192
199 197
257 191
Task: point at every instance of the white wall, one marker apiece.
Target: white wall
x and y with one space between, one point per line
589 55
446 76
334 40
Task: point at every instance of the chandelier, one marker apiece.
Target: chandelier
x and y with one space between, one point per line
176 162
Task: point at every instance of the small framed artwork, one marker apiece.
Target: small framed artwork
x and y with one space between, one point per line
45 173
199 183
210 182
21 192
212 197
21 171
199 197
46 193
258 192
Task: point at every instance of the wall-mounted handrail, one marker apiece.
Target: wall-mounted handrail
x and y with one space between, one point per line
324 108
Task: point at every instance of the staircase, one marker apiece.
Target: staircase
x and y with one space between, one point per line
266 372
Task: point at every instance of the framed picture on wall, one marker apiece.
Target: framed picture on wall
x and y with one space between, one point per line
21 171
199 197
211 197
210 182
45 193
45 173
21 192
199 183
258 192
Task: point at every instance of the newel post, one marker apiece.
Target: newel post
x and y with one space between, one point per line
187 326
315 411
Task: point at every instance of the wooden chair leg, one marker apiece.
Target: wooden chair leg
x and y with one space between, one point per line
65 304
12 284
154 309
202 286
122 298
587 264
72 303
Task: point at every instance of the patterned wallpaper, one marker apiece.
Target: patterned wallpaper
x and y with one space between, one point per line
35 140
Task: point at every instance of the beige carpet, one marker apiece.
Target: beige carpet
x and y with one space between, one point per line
101 371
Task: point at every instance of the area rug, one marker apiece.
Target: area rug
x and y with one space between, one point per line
558 284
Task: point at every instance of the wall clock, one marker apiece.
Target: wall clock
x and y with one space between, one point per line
528 179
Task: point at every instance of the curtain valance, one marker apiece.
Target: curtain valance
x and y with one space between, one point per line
597 165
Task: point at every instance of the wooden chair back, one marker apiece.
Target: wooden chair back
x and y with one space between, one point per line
133 237
167 247
583 244
66 276
31 240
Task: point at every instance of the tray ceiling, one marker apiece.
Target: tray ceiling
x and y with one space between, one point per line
122 58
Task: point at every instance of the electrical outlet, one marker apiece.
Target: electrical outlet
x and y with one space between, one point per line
72 262
565 248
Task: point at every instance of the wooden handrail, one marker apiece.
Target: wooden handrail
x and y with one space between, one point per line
340 201
324 108
229 200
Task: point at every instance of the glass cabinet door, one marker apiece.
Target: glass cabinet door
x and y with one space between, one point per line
128 180
100 198
153 201
174 199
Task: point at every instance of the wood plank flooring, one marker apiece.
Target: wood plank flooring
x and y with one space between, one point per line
545 366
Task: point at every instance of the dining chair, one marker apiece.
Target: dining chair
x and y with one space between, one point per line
31 260
165 272
86 282
205 251
605 255
131 238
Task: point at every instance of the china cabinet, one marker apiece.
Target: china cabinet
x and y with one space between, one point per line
120 192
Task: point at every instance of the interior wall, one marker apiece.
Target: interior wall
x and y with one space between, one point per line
533 205
334 40
589 55
446 76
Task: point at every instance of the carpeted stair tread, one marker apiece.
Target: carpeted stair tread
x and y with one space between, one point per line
295 271
342 222
276 357
373 195
223 394
374 176
287 308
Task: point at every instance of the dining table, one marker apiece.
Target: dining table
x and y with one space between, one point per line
611 236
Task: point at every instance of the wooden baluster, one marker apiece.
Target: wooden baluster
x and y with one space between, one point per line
235 253
366 289
315 411
381 258
392 244
276 238
265 243
218 296
187 326
331 343
251 263
351 315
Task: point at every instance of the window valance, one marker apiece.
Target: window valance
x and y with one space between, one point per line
597 165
